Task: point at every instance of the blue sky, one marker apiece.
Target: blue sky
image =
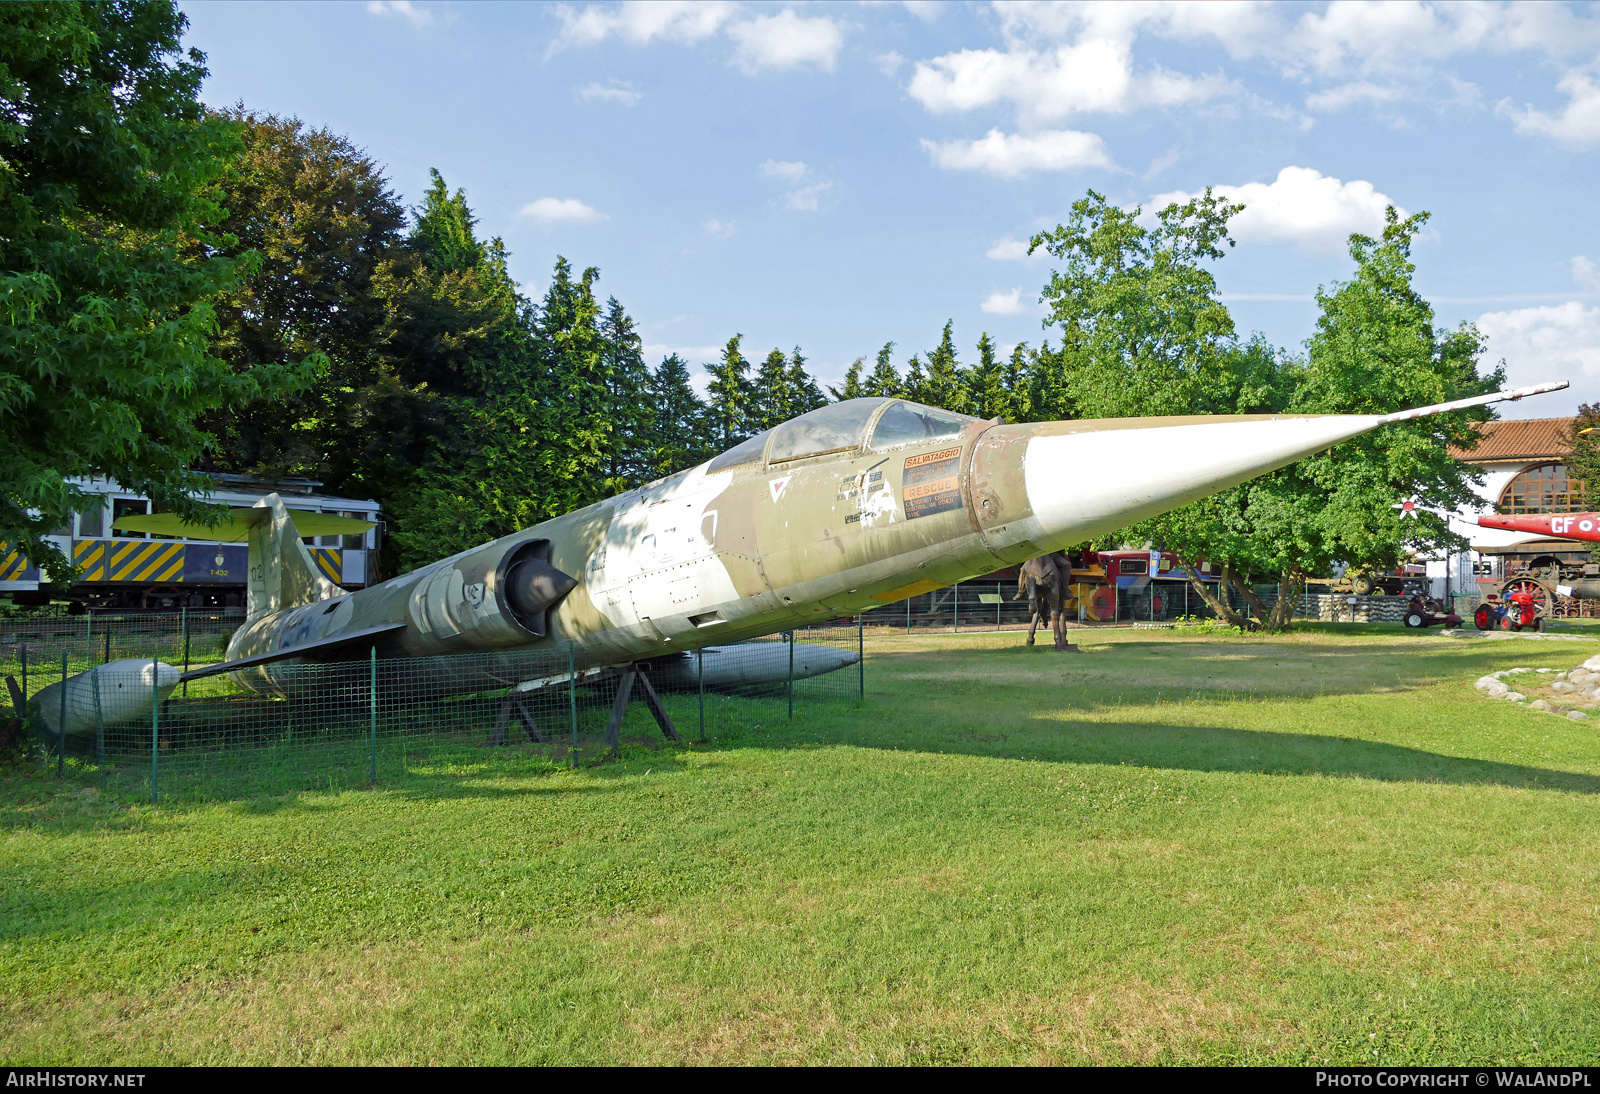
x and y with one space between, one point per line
836 176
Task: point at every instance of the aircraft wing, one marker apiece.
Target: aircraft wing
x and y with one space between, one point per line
320 647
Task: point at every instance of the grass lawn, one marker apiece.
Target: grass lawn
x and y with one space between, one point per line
1324 847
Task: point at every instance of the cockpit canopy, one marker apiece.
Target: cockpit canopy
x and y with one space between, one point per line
841 426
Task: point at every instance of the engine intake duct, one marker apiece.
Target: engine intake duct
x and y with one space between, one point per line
533 586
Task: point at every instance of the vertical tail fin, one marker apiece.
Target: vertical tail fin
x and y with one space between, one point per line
282 572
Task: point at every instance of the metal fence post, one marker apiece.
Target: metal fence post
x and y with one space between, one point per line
908 617
100 720
155 734
997 594
61 726
955 608
372 714
700 672
791 676
186 651
861 654
572 700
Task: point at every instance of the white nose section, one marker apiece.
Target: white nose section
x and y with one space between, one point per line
1082 485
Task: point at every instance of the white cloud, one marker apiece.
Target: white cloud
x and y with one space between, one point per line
1013 155
789 170
1398 35
1585 273
1061 60
418 17
1006 249
1302 206
780 41
1338 98
1005 302
889 63
1578 123
550 212
638 22
805 198
802 198
1046 86
1383 36
1561 342
786 40
617 91
716 229
1242 27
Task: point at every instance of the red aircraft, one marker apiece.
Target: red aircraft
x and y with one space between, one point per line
1566 525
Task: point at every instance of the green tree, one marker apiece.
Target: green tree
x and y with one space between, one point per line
730 395
853 388
1583 452
915 384
1375 351
804 392
109 258
1018 384
578 430
945 385
631 410
885 380
454 396
769 393
988 396
679 428
1142 329
323 224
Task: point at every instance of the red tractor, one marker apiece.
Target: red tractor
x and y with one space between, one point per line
1521 610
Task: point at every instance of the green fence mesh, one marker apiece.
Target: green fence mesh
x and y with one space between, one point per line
135 727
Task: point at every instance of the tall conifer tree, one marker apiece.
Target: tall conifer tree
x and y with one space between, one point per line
730 395
885 380
803 392
679 426
944 386
852 388
629 407
769 395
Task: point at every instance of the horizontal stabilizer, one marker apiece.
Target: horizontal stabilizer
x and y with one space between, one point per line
318 650
236 527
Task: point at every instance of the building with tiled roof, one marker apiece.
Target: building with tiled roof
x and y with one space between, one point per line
1523 472
1523 439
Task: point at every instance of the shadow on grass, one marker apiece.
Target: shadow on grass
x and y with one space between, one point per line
1274 753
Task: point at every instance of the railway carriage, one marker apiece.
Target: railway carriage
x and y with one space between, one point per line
133 570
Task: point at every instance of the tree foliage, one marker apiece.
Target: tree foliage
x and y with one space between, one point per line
1583 453
1375 350
109 257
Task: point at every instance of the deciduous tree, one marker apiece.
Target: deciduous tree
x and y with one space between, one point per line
109 260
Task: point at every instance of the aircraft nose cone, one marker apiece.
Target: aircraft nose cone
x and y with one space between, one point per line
1038 488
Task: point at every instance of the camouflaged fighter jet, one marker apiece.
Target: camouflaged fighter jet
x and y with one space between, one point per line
863 502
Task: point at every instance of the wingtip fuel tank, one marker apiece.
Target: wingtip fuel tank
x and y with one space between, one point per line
862 502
